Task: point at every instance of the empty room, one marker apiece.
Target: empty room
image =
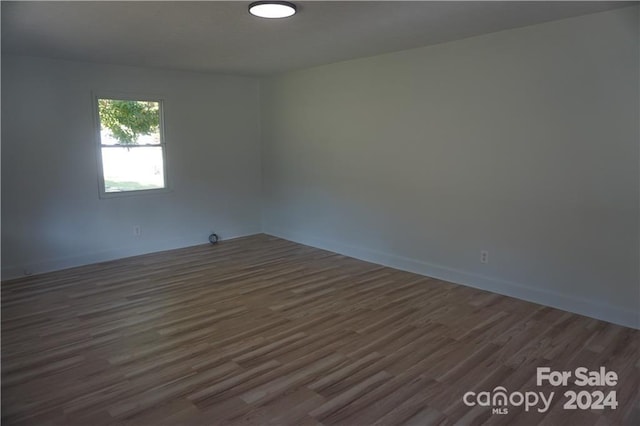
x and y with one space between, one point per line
320 213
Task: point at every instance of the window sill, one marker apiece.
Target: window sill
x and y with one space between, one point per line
136 193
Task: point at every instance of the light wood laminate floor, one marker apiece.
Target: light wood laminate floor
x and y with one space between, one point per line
260 330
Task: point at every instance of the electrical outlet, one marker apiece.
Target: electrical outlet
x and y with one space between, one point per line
137 231
484 256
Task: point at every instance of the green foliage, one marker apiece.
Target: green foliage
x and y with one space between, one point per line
127 120
118 186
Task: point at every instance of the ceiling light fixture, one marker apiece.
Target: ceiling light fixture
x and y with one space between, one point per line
272 9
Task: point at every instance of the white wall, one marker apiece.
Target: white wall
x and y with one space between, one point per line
523 142
52 217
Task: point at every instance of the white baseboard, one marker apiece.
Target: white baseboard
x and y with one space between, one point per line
49 265
616 315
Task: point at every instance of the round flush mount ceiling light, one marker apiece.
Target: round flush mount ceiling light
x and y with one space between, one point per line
272 9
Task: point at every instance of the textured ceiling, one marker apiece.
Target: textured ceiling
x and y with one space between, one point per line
224 37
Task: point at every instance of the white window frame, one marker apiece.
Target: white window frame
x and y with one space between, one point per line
103 194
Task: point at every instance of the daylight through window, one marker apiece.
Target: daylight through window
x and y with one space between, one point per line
132 150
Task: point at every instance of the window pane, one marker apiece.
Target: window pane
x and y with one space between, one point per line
126 122
132 169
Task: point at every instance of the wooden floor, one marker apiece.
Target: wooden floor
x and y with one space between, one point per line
264 331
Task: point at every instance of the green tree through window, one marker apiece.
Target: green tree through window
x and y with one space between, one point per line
128 120
132 154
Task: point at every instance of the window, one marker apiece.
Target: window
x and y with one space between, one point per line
131 144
